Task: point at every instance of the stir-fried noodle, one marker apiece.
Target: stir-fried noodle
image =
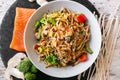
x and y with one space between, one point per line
62 39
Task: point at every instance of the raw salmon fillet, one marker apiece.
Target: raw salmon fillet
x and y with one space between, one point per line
21 18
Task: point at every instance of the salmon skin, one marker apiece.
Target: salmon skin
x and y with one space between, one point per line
21 18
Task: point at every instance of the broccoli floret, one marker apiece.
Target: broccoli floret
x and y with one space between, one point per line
25 65
34 69
27 59
30 76
52 59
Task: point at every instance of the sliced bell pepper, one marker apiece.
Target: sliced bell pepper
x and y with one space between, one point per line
83 57
81 18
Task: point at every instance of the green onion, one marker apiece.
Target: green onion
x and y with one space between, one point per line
88 49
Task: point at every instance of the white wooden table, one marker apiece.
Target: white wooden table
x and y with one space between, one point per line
106 6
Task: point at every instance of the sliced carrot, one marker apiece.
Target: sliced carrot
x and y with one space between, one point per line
83 57
21 18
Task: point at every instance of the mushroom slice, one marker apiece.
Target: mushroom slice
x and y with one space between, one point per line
41 2
31 0
11 67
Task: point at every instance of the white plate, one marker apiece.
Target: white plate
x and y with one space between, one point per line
95 42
